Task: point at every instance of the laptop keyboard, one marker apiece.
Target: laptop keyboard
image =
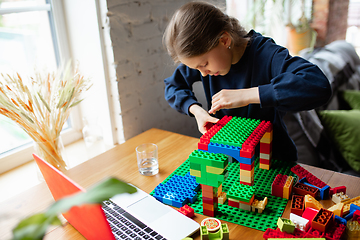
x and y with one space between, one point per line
126 226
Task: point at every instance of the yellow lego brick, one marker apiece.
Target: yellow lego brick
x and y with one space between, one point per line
339 197
347 204
246 179
259 205
310 201
222 198
288 187
210 207
264 166
247 173
219 191
215 170
267 138
352 230
337 209
266 156
195 173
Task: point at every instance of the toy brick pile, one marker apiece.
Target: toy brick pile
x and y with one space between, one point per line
234 139
308 218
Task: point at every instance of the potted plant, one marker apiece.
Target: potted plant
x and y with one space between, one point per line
300 34
265 15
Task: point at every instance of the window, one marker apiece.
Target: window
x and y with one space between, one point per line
29 31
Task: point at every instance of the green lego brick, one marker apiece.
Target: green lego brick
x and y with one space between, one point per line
206 158
286 225
262 185
195 166
241 192
235 132
222 233
221 163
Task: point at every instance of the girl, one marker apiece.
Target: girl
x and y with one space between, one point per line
244 74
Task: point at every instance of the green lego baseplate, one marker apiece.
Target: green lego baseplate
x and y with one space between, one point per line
235 132
262 184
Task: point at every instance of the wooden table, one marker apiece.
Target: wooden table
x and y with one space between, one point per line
120 162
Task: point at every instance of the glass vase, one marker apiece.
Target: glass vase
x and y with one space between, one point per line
53 152
93 137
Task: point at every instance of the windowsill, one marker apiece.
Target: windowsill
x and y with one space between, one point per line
26 176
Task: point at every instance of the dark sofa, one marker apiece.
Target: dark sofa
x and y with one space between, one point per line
316 145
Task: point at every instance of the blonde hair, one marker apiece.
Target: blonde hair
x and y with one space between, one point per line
196 28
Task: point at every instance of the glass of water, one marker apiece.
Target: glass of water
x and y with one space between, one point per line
147 159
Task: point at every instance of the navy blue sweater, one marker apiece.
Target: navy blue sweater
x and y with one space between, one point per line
286 84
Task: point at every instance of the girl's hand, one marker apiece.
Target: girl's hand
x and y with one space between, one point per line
202 118
226 99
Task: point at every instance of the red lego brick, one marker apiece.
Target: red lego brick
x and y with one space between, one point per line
187 211
278 185
309 213
337 190
265 161
356 215
210 200
205 138
246 183
265 148
322 220
247 152
303 189
314 233
202 145
299 171
269 126
247 167
335 231
209 213
302 172
271 233
254 138
233 203
208 125
297 205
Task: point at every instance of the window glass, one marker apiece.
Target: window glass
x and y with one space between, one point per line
26 44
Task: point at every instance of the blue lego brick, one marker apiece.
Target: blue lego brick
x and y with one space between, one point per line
178 190
232 151
244 160
324 192
340 220
349 216
354 207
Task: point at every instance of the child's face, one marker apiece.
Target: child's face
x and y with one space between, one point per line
215 62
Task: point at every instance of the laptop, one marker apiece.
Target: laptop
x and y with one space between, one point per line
124 216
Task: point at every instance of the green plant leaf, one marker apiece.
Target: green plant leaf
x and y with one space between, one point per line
100 192
35 226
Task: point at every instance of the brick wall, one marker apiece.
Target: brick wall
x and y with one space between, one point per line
330 20
136 29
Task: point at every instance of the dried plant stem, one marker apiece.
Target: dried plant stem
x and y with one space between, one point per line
42 106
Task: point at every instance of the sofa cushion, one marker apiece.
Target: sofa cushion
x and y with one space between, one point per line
351 97
343 128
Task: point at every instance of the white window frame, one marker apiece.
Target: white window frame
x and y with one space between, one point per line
23 154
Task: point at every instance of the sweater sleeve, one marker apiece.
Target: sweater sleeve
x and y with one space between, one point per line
178 89
295 84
